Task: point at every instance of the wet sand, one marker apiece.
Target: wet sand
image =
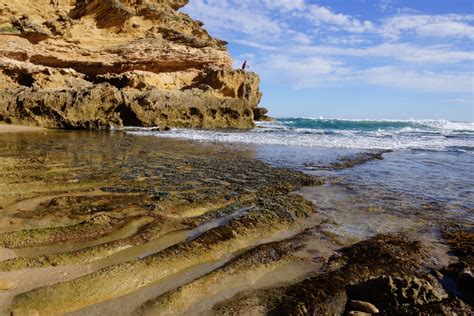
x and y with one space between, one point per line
96 223
6 128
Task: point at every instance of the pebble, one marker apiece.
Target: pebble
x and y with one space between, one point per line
6 285
364 307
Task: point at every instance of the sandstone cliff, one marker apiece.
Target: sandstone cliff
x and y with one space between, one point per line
97 64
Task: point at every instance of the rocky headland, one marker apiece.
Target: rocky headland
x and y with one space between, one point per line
100 64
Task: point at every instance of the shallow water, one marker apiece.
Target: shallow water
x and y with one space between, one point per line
436 185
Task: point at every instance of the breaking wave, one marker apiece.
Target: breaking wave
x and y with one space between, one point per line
338 133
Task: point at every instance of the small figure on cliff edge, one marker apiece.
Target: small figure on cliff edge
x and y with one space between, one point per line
54 3
245 66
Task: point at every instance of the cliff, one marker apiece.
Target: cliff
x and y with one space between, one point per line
97 64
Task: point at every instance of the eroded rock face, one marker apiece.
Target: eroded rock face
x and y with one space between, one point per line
102 64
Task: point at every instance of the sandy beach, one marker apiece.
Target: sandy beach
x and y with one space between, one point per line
7 128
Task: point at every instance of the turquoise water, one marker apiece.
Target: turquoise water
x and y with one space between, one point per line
336 133
378 125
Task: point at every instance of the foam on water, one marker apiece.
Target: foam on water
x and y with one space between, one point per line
336 133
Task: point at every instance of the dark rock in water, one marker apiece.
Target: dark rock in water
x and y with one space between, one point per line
466 281
350 161
459 281
259 114
450 306
461 240
260 111
359 159
391 292
327 293
458 277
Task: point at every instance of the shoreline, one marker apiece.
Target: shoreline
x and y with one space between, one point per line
12 128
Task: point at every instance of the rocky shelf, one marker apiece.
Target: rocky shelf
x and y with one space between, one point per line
147 226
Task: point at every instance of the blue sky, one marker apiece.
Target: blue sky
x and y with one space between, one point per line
371 59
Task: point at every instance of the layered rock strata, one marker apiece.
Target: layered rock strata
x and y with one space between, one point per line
102 64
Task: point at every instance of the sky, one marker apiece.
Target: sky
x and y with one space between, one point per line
359 59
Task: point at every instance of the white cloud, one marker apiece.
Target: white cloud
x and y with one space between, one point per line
394 77
322 15
349 40
225 15
255 18
301 72
313 72
444 26
301 38
410 50
396 51
286 4
257 45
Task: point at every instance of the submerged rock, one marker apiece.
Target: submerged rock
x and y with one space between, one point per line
458 277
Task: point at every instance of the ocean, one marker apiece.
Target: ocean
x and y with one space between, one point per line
337 133
381 175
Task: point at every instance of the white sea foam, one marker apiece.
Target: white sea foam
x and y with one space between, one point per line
277 135
449 126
